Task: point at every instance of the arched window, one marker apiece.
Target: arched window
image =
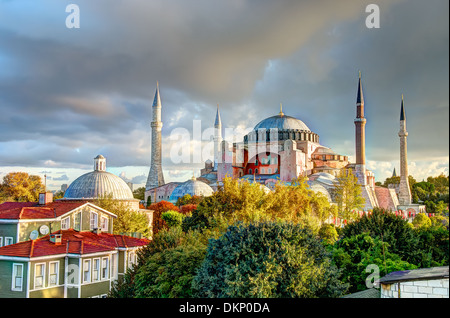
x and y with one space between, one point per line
256 170
249 171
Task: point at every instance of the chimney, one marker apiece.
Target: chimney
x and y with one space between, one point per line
97 230
45 198
56 238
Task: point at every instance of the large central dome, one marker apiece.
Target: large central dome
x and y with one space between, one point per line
282 122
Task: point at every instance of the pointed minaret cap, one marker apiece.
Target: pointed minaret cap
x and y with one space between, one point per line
157 100
394 173
359 97
218 121
402 111
281 110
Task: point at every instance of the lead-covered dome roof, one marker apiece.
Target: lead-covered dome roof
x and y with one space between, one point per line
191 187
99 183
282 122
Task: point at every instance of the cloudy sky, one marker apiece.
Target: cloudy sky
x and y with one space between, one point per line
68 94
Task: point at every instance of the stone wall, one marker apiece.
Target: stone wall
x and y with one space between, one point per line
437 288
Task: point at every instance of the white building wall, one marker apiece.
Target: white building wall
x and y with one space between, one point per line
437 288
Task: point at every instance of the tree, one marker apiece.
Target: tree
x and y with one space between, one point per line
348 194
166 267
158 209
267 260
128 220
173 218
20 186
389 228
139 193
328 233
421 220
354 253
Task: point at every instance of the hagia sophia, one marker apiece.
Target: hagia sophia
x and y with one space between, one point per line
280 148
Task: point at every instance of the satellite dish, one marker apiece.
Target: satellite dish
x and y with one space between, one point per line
34 235
44 229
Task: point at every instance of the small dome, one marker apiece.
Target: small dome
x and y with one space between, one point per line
282 122
318 188
191 187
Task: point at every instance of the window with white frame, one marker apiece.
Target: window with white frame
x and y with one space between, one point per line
104 223
114 266
17 277
96 270
94 220
53 273
1 241
105 268
8 241
65 223
131 258
87 271
39 275
77 221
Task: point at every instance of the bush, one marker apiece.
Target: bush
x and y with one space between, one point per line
158 209
421 220
353 254
389 228
267 259
173 218
328 233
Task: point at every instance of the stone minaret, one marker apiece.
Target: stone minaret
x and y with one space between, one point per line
155 176
360 143
404 195
217 138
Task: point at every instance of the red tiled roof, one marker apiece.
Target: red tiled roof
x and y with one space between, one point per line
32 210
72 242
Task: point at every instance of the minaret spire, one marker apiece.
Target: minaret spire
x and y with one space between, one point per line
360 136
217 138
155 176
281 110
404 195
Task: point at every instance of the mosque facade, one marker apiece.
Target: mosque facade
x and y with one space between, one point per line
282 148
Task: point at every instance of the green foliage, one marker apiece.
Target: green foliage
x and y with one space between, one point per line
433 243
173 218
128 220
390 228
348 195
421 220
158 209
247 202
353 254
267 259
166 266
188 199
139 193
328 233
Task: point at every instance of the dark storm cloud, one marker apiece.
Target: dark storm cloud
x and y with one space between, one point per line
67 95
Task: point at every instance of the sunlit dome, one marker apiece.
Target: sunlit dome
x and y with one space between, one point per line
191 187
282 122
99 183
